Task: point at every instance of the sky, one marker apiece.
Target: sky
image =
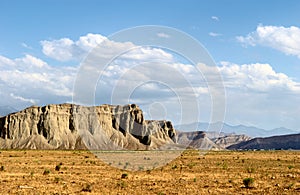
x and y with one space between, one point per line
255 45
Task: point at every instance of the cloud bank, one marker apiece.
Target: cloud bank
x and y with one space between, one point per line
256 93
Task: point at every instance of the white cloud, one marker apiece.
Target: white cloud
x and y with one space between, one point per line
254 91
32 77
32 62
215 18
259 95
213 34
66 49
26 46
90 41
32 101
257 77
284 39
148 54
61 49
163 35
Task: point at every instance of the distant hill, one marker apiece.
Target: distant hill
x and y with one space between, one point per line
196 139
283 142
228 140
238 129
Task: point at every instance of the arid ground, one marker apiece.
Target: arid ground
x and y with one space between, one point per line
215 172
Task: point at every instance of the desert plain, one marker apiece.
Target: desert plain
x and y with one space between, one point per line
191 172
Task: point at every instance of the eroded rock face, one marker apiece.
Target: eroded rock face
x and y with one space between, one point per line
229 140
69 126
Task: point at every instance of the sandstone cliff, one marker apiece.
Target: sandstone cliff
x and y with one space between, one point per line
69 126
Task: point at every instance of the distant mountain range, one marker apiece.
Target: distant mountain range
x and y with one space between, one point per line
238 129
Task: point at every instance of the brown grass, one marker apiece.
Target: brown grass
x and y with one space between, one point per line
274 172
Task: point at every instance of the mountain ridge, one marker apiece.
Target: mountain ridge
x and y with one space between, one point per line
279 142
236 129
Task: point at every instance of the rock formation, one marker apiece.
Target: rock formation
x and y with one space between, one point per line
283 142
197 140
228 140
69 126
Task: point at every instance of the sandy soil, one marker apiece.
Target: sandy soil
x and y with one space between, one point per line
73 172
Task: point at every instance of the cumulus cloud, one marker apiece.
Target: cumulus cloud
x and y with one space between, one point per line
66 49
257 77
284 39
30 80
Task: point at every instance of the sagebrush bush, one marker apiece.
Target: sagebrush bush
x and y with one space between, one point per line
248 182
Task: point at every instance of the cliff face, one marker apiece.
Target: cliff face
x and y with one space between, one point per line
69 126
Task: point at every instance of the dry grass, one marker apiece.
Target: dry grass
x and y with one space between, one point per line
274 172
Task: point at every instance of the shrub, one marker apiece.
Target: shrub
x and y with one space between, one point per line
122 184
141 168
124 176
2 168
87 188
225 166
248 182
250 170
290 186
46 172
57 179
57 167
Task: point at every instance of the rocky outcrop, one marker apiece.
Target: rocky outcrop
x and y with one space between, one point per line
283 142
198 140
228 140
69 126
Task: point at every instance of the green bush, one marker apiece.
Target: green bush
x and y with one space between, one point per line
248 182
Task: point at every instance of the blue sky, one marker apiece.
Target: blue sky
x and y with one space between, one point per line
231 30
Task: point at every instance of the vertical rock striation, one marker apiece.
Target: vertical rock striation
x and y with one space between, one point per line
69 126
